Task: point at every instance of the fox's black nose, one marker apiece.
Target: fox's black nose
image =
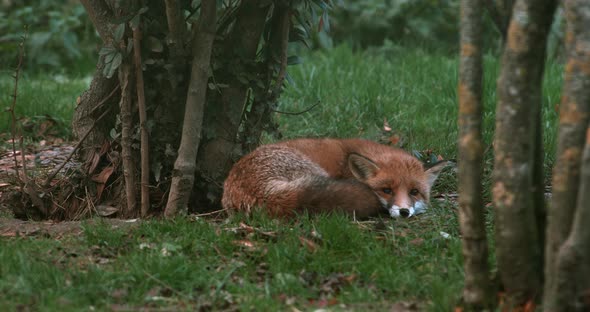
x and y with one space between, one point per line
404 212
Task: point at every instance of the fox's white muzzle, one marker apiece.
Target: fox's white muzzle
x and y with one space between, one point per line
396 212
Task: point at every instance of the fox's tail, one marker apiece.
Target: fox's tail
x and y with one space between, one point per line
321 194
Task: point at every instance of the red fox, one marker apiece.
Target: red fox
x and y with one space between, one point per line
354 176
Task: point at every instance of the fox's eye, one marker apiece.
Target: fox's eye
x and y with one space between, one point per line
414 192
387 190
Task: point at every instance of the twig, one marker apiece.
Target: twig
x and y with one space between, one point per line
285 21
99 105
22 155
77 146
210 213
21 52
298 113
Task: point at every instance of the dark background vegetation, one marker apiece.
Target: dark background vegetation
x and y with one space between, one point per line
61 38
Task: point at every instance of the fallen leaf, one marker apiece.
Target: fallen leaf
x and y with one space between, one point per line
250 246
309 244
386 126
530 306
394 139
445 235
106 210
104 175
404 307
119 293
417 241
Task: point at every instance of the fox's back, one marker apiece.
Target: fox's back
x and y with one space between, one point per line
332 155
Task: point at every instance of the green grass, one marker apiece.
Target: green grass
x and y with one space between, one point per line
187 264
414 91
354 264
41 97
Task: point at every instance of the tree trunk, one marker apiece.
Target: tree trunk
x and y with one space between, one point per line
127 126
90 103
572 275
519 100
476 294
184 167
259 117
573 122
500 11
224 119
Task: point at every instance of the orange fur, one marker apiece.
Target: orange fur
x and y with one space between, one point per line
353 176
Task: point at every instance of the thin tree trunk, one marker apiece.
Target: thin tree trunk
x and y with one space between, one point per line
184 167
259 117
141 105
176 30
471 209
572 279
573 120
519 101
500 11
128 163
216 157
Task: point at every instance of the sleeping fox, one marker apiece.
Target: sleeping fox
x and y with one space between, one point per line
354 176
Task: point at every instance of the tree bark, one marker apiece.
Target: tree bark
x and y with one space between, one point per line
519 101
476 291
184 167
259 117
141 106
572 280
216 158
573 121
127 159
176 30
500 11
86 112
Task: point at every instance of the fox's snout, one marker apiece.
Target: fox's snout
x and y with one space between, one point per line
396 211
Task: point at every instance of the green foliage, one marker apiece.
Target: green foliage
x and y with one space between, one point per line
371 22
57 33
433 24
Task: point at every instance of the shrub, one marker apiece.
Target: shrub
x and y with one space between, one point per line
426 23
57 32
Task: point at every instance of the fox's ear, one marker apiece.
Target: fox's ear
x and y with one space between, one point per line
435 170
361 167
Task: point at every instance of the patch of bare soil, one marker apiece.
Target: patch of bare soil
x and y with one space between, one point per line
10 227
